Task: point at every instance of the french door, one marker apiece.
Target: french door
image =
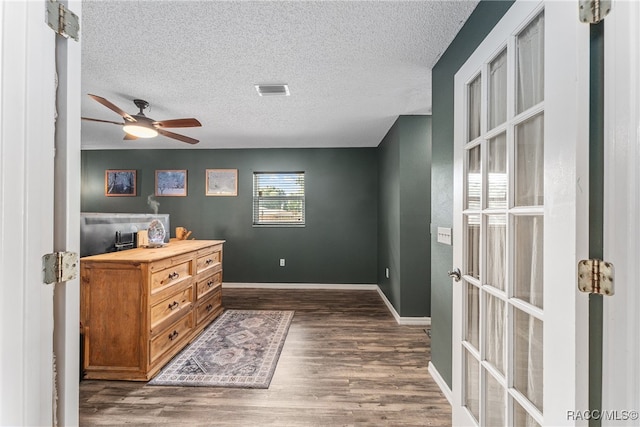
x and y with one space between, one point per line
517 212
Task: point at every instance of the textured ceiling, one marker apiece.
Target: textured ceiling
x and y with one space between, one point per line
352 67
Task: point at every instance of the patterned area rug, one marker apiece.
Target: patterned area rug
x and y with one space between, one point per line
239 349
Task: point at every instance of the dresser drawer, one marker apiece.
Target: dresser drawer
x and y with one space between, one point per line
207 261
171 308
207 285
171 275
171 337
207 307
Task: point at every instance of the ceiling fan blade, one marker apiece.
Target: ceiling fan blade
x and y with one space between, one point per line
113 107
177 136
129 137
101 121
179 123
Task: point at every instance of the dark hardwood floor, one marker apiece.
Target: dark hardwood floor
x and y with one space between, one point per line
346 362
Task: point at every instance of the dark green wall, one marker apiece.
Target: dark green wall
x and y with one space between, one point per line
415 214
479 24
338 244
389 216
404 182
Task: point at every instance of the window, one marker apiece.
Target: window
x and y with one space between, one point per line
278 198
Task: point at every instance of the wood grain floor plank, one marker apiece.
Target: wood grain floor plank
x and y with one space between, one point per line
346 362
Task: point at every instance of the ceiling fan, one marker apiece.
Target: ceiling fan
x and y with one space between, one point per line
140 126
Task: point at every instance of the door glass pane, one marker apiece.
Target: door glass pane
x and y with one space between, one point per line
497 173
527 355
530 162
472 333
474 178
474 89
495 406
503 232
472 382
522 417
528 284
530 65
496 242
473 246
498 90
495 328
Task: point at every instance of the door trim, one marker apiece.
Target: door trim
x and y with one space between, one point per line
621 325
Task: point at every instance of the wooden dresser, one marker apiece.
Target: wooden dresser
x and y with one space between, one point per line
140 307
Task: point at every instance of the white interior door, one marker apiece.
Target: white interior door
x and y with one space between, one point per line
27 118
518 216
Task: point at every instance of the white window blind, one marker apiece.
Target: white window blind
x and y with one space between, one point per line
278 198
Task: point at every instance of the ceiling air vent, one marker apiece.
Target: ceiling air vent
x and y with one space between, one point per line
273 90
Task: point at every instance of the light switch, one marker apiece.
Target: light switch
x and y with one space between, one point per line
444 235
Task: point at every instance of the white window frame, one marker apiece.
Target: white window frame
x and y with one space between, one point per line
263 221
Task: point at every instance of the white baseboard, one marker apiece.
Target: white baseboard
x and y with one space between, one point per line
441 383
418 321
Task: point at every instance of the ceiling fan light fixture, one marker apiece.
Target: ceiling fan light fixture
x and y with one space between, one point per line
140 130
140 126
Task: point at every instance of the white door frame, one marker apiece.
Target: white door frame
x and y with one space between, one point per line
566 205
621 328
66 336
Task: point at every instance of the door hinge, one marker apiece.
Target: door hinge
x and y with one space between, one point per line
59 267
596 277
593 11
62 20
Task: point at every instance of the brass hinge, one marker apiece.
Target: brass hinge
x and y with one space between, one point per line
596 277
59 267
62 20
593 11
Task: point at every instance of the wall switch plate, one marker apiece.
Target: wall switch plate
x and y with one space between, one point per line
281 262
386 272
444 235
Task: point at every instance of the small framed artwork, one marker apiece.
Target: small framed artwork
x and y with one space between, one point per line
118 183
222 182
171 183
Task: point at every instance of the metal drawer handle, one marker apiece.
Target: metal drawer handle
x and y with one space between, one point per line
209 307
208 261
210 283
173 335
173 305
174 275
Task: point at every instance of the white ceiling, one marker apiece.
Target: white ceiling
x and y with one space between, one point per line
352 67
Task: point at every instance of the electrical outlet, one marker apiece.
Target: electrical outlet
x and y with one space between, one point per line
281 262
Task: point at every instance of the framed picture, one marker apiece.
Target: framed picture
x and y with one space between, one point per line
119 183
171 183
222 182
